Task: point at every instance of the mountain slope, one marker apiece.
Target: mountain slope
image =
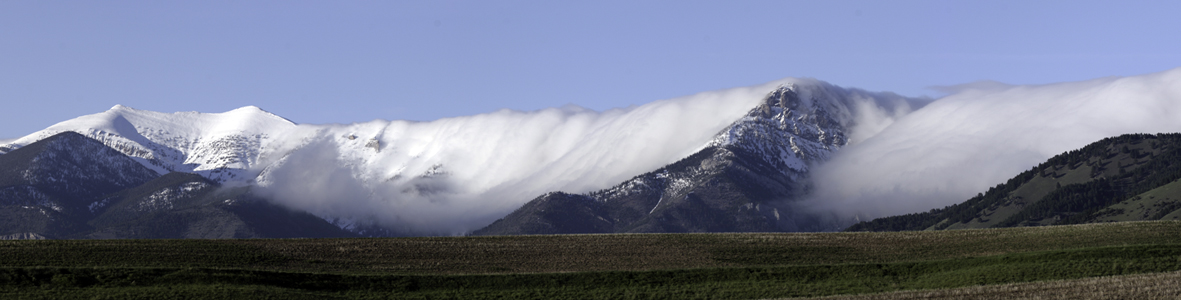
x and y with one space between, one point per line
183 205
743 180
72 186
47 186
1125 178
714 190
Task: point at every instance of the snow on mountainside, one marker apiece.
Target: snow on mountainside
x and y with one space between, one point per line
219 146
71 157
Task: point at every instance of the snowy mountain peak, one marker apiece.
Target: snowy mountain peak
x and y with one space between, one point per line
219 146
255 111
788 129
804 122
249 108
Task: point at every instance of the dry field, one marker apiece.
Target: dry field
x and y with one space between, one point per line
1139 286
638 252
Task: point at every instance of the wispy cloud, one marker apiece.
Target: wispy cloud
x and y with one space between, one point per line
984 134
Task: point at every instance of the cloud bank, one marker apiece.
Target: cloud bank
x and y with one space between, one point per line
984 134
454 175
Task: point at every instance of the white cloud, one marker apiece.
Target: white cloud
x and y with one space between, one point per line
984 134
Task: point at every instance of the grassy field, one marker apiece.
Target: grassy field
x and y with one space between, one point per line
623 266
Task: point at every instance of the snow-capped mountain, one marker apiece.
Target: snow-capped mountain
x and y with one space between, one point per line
220 146
795 127
453 175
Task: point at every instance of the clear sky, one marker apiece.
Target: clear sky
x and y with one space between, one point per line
354 61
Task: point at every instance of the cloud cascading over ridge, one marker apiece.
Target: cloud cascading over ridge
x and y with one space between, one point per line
982 135
453 175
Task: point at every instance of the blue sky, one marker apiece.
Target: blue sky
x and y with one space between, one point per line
354 61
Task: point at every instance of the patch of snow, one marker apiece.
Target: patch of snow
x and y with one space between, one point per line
96 205
166 198
656 206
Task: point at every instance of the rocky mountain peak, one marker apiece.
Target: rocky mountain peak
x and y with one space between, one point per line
783 97
789 130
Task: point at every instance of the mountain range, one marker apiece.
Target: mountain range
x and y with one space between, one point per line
390 178
791 155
